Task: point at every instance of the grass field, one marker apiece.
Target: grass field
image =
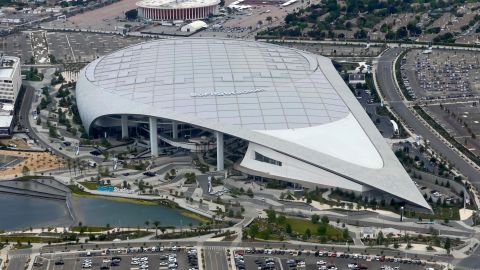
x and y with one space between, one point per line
26 239
91 229
89 185
300 225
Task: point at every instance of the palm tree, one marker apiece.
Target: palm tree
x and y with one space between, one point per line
75 165
147 223
259 24
156 223
69 164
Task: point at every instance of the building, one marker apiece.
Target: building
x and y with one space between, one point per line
271 111
10 83
10 78
6 120
171 10
356 78
194 27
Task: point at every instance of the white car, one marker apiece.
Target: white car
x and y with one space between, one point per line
352 265
321 262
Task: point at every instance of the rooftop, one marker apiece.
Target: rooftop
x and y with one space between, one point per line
252 85
176 3
7 65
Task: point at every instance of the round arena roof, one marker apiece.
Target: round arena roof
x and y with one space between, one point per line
169 4
287 100
252 85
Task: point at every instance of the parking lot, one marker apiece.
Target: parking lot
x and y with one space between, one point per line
171 258
322 260
66 46
85 47
460 120
442 74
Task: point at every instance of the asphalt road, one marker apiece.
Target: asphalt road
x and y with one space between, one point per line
471 262
215 258
392 96
17 262
25 110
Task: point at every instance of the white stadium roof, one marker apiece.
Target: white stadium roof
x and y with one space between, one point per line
290 101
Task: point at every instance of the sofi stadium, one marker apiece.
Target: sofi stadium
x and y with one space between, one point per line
264 110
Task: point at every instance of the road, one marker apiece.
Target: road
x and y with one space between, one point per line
24 113
395 101
471 262
215 258
17 261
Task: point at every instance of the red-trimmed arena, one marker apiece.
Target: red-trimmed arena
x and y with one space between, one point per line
168 10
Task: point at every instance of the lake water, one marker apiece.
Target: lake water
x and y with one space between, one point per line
22 212
97 211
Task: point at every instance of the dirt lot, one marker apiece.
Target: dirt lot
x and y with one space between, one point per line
104 18
34 161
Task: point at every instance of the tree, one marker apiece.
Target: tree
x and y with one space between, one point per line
315 218
272 215
269 19
147 223
253 231
325 220
131 14
361 34
156 223
308 233
259 24
25 170
380 238
288 228
250 193
447 245
322 229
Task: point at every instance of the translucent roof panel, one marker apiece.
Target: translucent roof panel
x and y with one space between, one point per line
259 85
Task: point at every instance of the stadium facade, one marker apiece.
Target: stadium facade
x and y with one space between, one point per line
269 111
171 10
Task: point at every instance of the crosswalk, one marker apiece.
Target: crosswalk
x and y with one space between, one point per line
17 261
213 248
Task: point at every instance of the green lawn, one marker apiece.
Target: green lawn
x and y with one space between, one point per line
91 229
25 239
89 185
300 225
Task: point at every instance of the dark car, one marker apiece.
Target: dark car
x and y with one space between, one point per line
149 174
59 262
96 152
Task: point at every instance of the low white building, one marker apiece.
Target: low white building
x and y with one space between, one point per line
6 120
356 78
10 78
194 26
